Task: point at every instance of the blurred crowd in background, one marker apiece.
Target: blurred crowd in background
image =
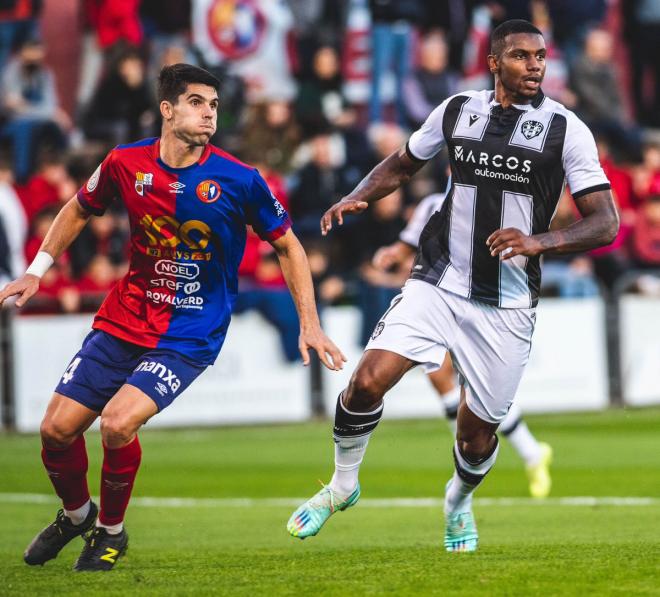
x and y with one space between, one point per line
314 94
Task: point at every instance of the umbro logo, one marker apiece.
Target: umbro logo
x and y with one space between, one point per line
473 119
177 187
531 129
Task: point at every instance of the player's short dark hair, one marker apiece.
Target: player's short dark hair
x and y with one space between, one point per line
498 37
173 80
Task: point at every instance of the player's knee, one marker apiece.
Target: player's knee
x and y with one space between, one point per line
477 445
56 435
116 431
364 392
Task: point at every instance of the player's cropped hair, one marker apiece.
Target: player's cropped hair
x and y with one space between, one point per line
173 80
498 37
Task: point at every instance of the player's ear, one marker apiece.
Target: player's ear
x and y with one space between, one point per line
493 63
166 110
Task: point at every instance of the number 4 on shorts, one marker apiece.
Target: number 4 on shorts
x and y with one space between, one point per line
68 374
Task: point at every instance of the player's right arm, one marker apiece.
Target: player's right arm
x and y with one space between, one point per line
63 231
393 171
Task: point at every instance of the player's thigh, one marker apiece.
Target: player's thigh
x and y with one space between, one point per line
420 325
124 414
491 355
377 372
65 419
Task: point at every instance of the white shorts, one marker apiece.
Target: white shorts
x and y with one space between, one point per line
489 346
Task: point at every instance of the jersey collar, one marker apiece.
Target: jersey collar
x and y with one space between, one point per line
536 102
200 162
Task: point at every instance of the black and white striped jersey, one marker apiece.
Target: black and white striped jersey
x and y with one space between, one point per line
508 170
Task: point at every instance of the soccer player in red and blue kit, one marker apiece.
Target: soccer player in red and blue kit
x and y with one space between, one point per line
189 204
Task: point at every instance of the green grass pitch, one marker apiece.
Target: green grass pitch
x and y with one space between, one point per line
224 547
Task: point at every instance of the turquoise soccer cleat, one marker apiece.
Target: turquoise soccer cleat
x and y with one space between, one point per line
308 519
461 532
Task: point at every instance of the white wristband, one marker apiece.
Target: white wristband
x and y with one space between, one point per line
40 265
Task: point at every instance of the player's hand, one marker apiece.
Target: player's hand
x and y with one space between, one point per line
509 242
337 211
329 354
25 286
386 257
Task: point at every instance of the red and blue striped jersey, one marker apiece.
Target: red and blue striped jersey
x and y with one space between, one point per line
188 230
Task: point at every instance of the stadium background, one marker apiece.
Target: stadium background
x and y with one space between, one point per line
307 97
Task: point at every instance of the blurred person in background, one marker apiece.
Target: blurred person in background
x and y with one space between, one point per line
599 101
431 81
642 32
392 30
646 176
18 24
13 225
49 186
272 134
646 245
30 103
122 107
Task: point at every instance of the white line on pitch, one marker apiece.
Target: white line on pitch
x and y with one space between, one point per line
186 502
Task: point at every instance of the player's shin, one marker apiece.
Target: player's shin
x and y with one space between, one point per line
468 474
67 470
352 431
120 467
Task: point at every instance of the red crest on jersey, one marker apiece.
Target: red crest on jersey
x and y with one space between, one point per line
208 191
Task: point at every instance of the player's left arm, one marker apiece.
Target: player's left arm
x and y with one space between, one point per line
295 268
598 227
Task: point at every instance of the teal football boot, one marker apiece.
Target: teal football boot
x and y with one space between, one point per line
308 519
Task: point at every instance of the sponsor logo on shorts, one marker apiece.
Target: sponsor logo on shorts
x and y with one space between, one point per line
161 388
378 330
166 375
189 271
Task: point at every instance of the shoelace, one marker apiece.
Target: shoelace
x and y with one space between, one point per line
318 499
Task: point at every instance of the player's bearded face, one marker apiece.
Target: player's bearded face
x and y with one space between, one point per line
521 66
195 115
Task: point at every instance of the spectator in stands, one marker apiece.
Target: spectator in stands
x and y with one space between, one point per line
595 83
646 234
49 187
431 82
320 99
123 107
319 184
97 280
13 228
271 134
30 103
392 27
18 24
646 176
642 31
572 20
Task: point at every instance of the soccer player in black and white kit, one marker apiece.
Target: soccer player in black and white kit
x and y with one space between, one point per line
474 286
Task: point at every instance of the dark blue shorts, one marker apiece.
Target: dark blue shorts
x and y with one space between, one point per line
105 363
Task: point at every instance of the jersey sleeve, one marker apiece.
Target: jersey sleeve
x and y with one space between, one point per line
264 212
429 139
580 159
101 189
423 212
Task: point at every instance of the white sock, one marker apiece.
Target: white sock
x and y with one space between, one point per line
525 444
78 515
349 454
350 450
112 529
458 495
